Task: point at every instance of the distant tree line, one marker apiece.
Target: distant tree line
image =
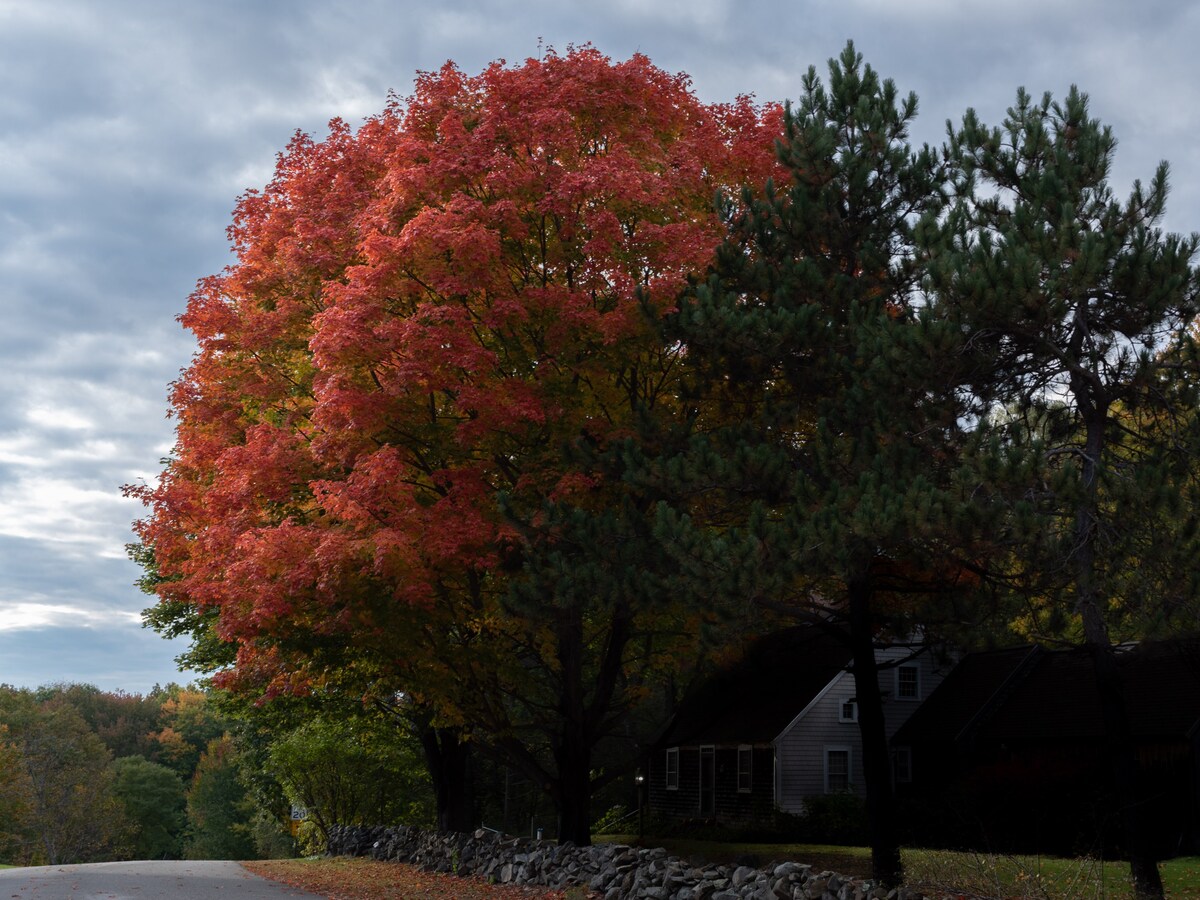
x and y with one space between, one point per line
88 775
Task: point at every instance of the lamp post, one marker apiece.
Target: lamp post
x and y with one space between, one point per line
641 783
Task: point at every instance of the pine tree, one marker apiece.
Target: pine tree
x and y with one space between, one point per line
1080 306
820 474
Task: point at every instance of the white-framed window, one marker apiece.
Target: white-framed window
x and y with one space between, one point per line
908 682
745 763
673 769
837 770
901 765
848 710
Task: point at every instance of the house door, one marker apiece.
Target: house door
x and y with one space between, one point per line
708 781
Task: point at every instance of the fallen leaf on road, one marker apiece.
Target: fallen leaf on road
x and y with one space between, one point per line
367 879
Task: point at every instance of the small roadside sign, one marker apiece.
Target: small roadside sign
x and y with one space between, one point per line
299 814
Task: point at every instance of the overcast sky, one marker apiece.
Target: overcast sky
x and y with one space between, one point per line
129 127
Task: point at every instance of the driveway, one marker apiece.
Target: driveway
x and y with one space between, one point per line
157 880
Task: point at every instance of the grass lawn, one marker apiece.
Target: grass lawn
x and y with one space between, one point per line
1031 876
943 871
843 860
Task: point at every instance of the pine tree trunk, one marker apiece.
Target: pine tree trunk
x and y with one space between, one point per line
886 865
448 758
1143 862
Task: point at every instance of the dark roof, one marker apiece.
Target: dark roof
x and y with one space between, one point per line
754 699
974 687
1051 696
1055 700
1163 682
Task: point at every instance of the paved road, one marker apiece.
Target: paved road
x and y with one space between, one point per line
159 880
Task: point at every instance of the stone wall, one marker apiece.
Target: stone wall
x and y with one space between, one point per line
607 871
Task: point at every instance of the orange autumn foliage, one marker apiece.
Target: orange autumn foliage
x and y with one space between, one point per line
421 312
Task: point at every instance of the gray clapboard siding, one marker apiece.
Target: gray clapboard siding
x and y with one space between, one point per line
802 746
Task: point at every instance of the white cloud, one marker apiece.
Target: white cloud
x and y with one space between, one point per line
89 421
23 615
61 513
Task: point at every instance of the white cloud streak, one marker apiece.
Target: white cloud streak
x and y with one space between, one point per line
23 615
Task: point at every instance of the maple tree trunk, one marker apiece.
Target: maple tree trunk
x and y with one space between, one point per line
448 758
573 750
574 759
886 865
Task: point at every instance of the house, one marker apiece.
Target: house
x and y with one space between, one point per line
778 726
1009 751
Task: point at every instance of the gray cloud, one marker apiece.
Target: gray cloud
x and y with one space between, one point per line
113 656
129 128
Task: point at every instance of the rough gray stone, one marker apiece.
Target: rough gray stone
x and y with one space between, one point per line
741 875
612 872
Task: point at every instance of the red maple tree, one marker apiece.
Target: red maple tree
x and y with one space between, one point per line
425 315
